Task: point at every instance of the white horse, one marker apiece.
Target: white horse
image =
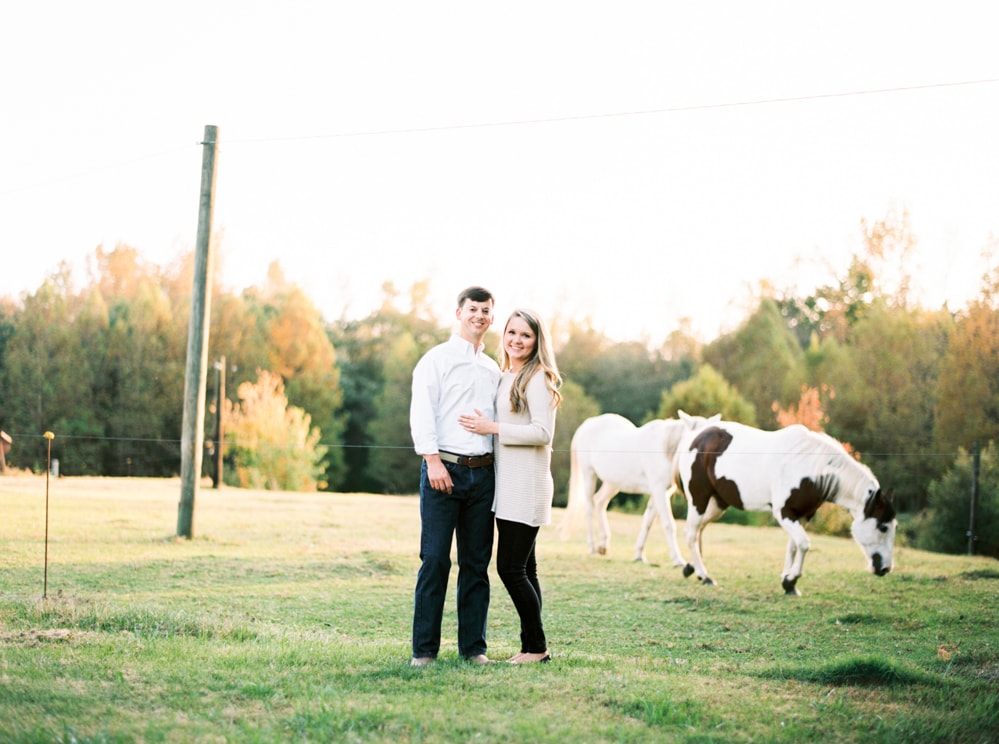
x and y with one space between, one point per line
623 457
790 473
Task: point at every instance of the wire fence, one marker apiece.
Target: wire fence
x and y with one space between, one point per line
65 442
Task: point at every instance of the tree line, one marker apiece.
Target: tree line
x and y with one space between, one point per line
313 404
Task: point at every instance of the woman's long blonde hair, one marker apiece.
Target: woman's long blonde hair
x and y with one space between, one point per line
542 359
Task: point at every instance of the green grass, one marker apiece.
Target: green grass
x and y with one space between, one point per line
287 618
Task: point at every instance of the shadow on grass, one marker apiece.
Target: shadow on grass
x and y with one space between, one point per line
856 672
982 574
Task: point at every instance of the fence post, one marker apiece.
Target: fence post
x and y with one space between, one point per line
219 433
48 467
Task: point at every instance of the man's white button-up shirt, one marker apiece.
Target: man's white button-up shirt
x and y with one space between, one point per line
451 379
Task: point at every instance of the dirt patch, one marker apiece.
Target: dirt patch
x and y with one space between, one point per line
988 672
38 637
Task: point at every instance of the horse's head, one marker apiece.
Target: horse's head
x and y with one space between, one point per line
874 530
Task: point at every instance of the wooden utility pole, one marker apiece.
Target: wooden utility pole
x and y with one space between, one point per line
976 464
192 438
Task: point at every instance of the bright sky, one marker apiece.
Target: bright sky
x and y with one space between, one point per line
585 159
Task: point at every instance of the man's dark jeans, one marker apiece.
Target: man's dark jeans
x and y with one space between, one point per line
467 513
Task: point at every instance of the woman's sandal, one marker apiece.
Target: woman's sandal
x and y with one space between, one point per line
523 658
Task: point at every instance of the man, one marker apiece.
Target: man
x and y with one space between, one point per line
456 480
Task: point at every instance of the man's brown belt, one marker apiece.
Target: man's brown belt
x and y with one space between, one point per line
471 461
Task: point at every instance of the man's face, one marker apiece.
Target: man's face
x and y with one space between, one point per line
475 319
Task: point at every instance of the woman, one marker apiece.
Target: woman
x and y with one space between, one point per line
526 401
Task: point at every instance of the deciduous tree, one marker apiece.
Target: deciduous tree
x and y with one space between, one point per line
968 394
270 444
705 394
392 461
762 360
944 525
886 397
49 381
363 347
291 336
626 378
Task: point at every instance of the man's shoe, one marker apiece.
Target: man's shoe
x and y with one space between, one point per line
421 661
479 659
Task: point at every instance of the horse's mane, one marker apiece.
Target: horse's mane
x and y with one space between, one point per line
853 476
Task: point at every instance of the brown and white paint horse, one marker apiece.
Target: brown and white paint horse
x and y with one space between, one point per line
624 457
790 473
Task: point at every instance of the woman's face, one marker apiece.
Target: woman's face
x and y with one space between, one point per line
519 341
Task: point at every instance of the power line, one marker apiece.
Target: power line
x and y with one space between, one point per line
618 114
506 123
173 152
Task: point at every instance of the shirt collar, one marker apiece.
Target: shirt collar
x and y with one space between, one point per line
466 346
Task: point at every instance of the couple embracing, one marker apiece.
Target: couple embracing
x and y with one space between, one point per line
485 433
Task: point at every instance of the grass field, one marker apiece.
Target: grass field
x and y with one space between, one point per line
287 618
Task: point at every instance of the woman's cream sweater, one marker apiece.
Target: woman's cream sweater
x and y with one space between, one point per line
524 486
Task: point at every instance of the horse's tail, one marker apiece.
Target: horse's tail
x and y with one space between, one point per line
576 500
675 480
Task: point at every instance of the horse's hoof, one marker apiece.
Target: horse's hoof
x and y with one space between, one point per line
602 550
790 588
708 581
688 571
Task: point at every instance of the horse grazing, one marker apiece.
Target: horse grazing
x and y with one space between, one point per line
789 472
623 457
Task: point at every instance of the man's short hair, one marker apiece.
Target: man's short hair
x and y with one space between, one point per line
476 294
